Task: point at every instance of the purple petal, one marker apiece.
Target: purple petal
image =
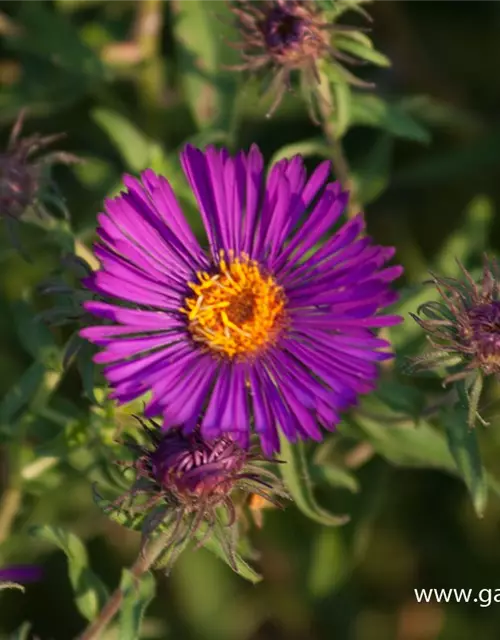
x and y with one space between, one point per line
21 573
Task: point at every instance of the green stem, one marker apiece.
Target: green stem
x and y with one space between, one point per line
339 160
144 562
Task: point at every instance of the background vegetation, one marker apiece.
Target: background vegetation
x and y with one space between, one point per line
425 159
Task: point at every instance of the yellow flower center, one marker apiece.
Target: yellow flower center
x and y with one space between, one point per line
238 311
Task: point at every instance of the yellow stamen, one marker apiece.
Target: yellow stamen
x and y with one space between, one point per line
238 311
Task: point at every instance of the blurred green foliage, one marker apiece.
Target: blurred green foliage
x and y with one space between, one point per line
130 83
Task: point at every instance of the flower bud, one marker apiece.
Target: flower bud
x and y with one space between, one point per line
464 327
191 484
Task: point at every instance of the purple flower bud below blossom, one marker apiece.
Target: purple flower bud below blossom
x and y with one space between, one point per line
186 482
189 466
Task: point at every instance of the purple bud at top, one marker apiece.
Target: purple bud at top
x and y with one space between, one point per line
284 36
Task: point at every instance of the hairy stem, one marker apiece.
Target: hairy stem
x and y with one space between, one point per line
146 559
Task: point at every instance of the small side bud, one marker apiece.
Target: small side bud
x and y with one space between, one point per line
464 329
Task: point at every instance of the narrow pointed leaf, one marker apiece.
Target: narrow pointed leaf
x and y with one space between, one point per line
90 593
243 569
22 392
464 447
297 479
134 146
137 594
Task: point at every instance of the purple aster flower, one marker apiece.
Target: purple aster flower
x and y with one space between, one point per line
21 573
186 483
464 326
271 327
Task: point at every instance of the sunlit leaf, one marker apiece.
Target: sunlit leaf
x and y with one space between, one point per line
361 46
311 147
134 146
11 585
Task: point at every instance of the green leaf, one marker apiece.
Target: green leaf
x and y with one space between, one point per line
134 146
90 593
475 157
297 479
329 563
404 444
372 111
201 33
471 238
373 174
361 46
243 569
85 367
440 114
48 34
137 594
22 633
133 522
22 393
464 447
34 335
341 94
401 398
334 475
